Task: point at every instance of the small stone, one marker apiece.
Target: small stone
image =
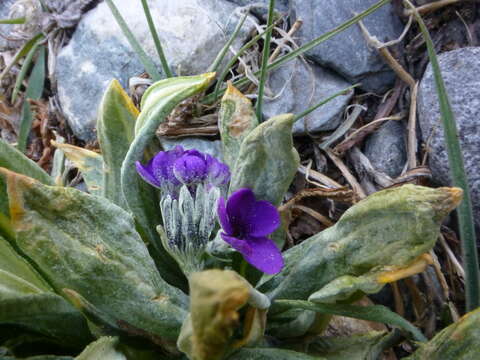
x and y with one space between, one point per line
460 69
297 86
386 148
347 53
192 33
211 147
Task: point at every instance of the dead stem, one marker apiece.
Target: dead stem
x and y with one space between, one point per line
408 79
359 192
424 9
316 215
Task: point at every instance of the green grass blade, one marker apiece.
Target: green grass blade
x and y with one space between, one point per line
36 82
459 178
216 94
156 40
21 53
324 101
301 50
20 20
377 313
221 55
23 71
265 57
144 58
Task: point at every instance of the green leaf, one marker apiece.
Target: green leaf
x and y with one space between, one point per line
21 53
376 241
378 313
105 348
88 162
115 130
34 91
87 244
354 347
458 341
459 177
157 103
270 354
16 269
12 159
27 300
23 71
236 119
267 160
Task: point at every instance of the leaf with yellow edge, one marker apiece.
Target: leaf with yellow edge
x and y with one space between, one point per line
115 130
89 245
215 298
13 159
236 119
378 240
88 162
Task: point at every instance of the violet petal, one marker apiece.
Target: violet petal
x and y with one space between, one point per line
265 255
263 219
223 217
145 171
239 206
240 245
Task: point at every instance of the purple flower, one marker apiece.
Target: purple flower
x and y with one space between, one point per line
246 222
159 170
168 170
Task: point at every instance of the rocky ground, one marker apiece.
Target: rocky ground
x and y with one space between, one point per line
381 134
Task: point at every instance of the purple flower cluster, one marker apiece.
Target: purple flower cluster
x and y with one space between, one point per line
246 223
169 170
191 184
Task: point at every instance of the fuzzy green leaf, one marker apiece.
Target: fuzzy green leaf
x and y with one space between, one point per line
267 161
27 300
15 160
378 240
270 354
236 120
157 103
89 245
459 341
115 130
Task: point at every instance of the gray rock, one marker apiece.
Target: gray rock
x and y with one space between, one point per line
347 53
192 33
386 148
260 7
460 69
211 147
297 86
